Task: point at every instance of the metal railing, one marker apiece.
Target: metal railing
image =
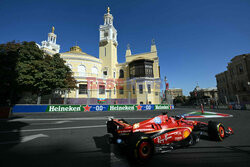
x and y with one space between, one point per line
84 75
94 96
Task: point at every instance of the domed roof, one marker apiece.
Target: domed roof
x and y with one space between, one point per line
77 54
75 49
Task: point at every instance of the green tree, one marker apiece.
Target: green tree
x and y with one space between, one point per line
180 99
33 70
8 74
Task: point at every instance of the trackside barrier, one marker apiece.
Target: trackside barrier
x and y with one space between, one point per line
230 107
29 108
87 108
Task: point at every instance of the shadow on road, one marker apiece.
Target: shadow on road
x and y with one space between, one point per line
10 133
101 142
65 155
62 155
189 156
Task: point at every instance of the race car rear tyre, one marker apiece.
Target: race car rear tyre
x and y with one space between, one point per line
216 131
144 150
140 147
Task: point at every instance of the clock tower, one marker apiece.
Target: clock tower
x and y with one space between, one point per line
108 46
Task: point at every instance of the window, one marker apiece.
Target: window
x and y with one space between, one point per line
149 102
94 70
114 90
149 88
81 70
240 68
140 89
141 102
82 88
101 89
141 68
105 73
121 74
121 90
242 86
156 93
133 89
114 74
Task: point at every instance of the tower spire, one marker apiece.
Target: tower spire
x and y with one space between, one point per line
50 44
53 29
153 41
153 46
108 10
128 46
128 51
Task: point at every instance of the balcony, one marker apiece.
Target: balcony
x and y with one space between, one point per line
85 75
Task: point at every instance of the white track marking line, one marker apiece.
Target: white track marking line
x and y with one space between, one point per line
58 122
25 139
32 137
50 129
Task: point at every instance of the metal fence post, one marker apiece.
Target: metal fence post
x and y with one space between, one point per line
65 97
110 92
88 97
129 94
39 100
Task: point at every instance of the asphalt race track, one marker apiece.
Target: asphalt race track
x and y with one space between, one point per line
79 139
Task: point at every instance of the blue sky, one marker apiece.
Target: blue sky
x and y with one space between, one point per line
195 38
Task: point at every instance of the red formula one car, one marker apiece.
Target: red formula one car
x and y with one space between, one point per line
162 134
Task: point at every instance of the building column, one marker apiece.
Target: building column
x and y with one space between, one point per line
77 91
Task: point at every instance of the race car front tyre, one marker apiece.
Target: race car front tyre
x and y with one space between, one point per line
216 131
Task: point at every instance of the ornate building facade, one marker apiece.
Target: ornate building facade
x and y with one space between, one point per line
137 80
175 92
204 95
234 84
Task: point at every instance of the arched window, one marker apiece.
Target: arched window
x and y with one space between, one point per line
94 70
121 74
81 70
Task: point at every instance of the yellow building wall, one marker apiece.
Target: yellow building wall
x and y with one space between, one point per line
108 55
145 97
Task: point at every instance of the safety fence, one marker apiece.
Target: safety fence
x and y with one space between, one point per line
89 108
222 107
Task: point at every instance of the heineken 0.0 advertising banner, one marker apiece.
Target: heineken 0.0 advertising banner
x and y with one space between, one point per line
89 108
63 108
147 107
162 107
86 108
122 108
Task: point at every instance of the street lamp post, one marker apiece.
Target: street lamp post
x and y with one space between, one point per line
238 100
165 80
226 100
